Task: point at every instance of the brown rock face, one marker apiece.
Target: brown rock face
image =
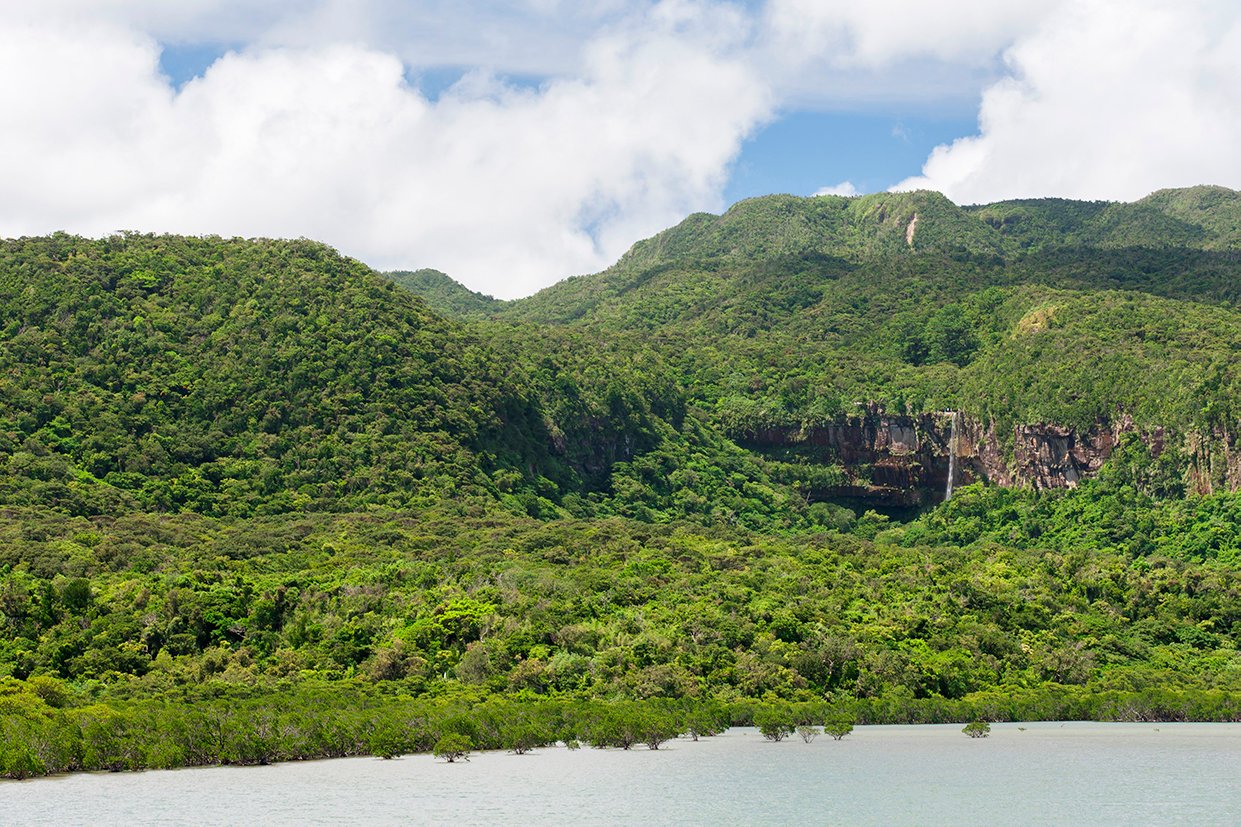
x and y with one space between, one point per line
1214 460
897 461
1048 456
1044 455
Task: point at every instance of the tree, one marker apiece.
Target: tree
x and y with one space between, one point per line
453 747
977 729
838 727
949 337
703 722
775 723
808 733
76 594
388 742
520 738
775 730
658 726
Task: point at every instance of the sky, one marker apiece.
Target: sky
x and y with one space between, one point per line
513 144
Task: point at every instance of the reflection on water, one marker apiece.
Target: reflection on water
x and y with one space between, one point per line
1038 773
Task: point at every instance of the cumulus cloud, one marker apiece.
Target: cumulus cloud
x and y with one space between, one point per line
1106 99
844 188
880 32
539 37
506 188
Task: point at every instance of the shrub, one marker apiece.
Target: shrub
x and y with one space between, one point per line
977 729
453 747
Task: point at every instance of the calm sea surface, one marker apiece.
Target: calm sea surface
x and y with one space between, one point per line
1046 773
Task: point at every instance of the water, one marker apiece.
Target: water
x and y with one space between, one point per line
1073 774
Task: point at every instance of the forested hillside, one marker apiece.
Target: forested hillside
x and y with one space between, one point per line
442 294
787 317
789 310
248 377
240 476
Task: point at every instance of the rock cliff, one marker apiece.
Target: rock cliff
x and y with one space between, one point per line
903 461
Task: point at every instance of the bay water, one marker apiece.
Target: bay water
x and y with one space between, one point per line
1071 773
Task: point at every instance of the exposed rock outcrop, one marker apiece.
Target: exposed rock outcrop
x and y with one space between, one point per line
902 461
1043 455
1214 460
890 460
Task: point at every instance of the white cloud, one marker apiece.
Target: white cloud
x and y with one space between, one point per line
844 188
912 55
1106 99
539 37
506 189
879 32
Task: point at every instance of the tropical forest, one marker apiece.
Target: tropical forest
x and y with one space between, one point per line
830 460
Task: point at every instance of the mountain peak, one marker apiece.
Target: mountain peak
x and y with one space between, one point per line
443 294
788 225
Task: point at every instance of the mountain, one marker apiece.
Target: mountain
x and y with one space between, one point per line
225 376
773 237
819 349
838 331
442 294
230 377
1200 218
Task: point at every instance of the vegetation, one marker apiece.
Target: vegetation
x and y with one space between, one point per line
442 294
222 724
977 729
258 503
452 747
230 378
793 312
839 727
604 608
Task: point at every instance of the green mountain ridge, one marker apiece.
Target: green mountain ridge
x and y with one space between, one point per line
1019 312
789 318
1207 218
230 377
784 226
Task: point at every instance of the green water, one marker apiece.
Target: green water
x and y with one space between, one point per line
1042 773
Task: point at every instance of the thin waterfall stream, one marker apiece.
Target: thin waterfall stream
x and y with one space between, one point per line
952 457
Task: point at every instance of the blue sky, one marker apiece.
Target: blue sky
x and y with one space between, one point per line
802 152
182 62
511 143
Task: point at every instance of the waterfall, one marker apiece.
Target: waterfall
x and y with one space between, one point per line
952 457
